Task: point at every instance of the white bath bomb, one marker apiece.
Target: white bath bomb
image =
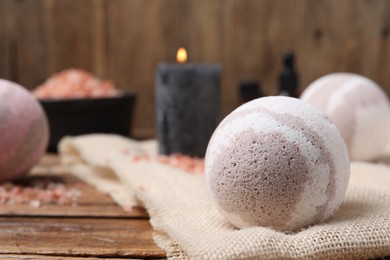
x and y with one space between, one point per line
358 107
277 162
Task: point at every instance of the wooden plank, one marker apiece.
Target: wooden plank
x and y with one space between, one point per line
384 46
247 52
318 38
75 35
44 257
134 47
81 210
30 32
204 30
8 50
78 237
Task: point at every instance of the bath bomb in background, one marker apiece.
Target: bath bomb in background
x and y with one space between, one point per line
358 107
24 130
277 162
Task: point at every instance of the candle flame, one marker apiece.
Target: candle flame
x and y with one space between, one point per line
181 55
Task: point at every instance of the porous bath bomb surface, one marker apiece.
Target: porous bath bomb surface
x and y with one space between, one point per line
24 130
358 107
277 162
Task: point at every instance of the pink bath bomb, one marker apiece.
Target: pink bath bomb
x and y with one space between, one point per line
358 107
277 162
24 131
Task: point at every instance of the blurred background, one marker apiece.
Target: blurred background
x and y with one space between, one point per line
124 40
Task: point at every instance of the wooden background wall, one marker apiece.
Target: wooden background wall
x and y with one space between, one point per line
124 40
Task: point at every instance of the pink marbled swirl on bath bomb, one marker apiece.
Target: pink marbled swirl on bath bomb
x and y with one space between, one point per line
24 130
277 162
358 107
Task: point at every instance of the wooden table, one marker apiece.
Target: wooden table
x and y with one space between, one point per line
95 228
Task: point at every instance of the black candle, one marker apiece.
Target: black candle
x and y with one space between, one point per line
187 103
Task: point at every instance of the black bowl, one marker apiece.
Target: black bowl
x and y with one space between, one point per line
88 115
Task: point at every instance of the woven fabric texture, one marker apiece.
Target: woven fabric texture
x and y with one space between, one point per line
187 223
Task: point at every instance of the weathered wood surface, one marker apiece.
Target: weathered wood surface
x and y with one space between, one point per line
43 257
124 40
77 237
95 227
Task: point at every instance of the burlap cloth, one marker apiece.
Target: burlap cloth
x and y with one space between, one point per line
187 223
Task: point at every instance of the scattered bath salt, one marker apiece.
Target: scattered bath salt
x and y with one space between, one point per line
137 158
192 165
141 188
189 164
38 192
75 83
108 161
163 159
128 208
35 203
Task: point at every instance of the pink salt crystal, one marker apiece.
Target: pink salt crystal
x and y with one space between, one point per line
141 188
75 83
37 193
108 161
35 203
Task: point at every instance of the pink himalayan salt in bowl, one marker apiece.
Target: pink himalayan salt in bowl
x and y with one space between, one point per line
75 83
77 103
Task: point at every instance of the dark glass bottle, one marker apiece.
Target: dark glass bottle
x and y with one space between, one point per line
249 90
288 78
